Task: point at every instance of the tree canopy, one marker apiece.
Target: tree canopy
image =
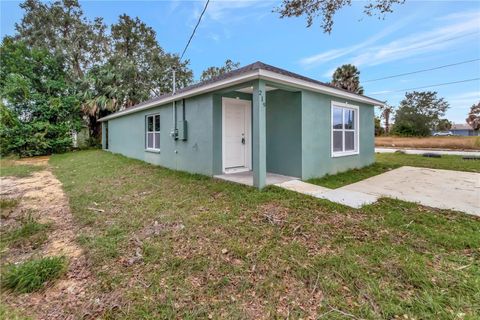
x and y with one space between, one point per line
419 113
110 68
473 118
39 110
347 77
326 9
213 72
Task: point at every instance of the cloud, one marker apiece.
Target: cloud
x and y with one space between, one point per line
464 100
453 29
419 43
226 11
334 54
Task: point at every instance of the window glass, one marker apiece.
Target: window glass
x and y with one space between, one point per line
349 118
337 141
349 140
337 118
153 132
344 131
150 140
157 122
150 123
157 140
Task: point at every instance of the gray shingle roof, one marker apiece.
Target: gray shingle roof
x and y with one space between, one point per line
248 68
461 126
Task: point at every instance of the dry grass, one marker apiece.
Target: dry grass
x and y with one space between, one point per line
455 142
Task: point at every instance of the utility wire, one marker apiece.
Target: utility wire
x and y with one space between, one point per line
423 70
429 86
195 29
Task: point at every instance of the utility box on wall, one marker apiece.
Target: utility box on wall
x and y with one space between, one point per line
182 130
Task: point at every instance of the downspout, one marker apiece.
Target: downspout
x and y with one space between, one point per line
174 110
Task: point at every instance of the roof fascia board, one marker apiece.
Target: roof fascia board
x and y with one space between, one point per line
252 75
291 81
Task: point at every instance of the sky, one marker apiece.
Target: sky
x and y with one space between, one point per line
417 35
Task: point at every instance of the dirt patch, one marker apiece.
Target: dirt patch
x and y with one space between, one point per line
34 161
41 196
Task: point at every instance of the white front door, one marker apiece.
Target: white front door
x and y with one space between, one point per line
236 134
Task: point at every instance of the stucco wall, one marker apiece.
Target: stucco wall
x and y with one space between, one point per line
284 133
298 135
127 136
316 137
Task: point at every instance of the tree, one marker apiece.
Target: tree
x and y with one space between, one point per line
61 28
386 114
473 118
141 66
39 110
419 113
378 127
213 72
444 125
326 9
347 77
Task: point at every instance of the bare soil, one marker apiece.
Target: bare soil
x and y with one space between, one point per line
455 142
41 196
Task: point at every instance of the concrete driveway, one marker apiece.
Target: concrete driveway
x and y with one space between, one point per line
443 189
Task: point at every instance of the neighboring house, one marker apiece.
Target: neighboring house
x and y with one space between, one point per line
463 130
258 118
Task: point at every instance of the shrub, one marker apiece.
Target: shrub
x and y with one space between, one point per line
32 275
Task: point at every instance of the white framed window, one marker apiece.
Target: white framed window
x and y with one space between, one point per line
152 132
345 129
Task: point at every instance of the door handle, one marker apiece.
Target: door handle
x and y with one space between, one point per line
243 140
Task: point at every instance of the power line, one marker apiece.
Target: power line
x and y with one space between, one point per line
195 29
429 86
423 70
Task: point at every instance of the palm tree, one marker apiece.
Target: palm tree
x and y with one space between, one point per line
100 97
386 114
347 77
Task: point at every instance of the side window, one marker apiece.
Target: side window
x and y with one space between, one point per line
152 130
344 130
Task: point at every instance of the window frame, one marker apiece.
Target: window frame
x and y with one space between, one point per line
356 130
152 115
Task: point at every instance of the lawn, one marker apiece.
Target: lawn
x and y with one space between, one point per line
389 161
452 142
176 245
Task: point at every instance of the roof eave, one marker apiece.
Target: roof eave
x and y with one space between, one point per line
303 84
204 89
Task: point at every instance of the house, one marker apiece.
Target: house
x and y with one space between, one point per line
258 120
463 130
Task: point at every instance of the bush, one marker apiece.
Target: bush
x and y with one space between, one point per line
39 108
34 274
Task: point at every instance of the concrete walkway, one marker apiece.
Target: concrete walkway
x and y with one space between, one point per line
351 198
443 189
422 151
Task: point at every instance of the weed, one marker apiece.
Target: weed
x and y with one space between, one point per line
30 232
32 275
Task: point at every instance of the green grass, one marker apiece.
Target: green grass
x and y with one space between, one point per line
229 261
388 161
8 313
30 233
32 275
8 168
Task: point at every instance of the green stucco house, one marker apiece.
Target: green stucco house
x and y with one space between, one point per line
258 120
